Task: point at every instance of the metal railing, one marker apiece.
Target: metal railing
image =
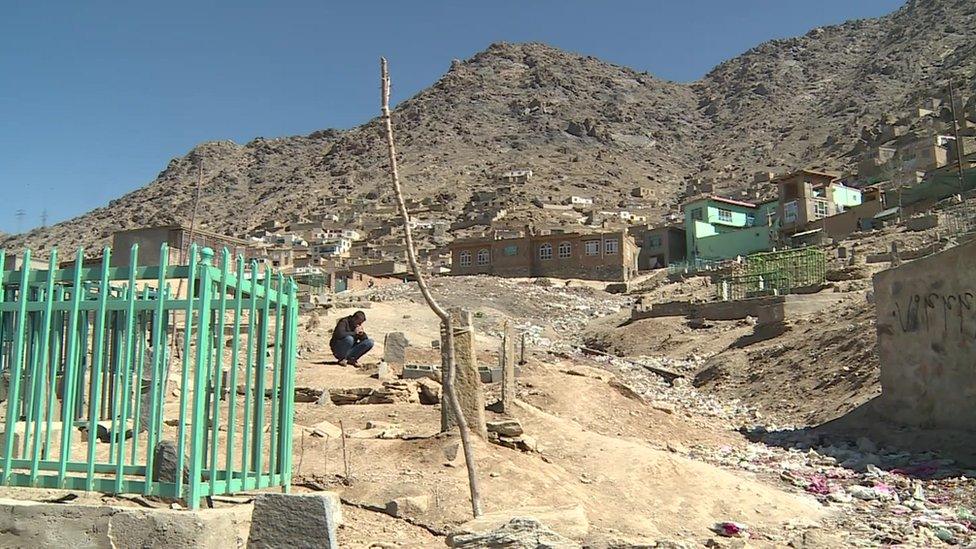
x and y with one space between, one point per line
87 356
774 273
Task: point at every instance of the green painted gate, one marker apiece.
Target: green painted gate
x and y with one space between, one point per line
105 367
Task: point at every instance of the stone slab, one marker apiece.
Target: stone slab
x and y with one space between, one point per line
467 381
295 520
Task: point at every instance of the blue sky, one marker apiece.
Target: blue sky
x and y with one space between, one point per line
97 96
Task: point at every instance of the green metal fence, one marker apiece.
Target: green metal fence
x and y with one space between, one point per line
106 367
774 273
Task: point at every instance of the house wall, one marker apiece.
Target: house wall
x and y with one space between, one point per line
843 224
661 247
732 244
926 323
845 196
695 230
526 260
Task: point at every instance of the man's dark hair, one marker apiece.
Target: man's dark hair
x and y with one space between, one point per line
358 317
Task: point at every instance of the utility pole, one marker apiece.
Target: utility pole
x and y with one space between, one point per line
20 214
44 218
955 131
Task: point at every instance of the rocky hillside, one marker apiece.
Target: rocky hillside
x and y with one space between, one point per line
582 125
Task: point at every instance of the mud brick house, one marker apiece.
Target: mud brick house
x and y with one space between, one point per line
177 237
610 256
662 246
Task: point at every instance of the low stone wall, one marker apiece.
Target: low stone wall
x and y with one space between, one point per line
34 524
764 309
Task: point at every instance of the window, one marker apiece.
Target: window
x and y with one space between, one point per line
725 215
510 250
484 257
565 250
819 209
654 242
464 259
789 212
545 251
696 214
592 247
610 247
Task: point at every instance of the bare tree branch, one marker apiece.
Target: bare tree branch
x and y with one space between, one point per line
450 394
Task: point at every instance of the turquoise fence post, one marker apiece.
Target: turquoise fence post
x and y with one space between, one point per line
198 421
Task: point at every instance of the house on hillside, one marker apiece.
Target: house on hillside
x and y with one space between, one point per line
610 256
807 196
178 238
662 246
721 228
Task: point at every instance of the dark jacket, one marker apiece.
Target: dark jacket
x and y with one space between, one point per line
346 327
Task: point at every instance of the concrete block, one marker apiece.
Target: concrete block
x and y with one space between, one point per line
417 371
295 520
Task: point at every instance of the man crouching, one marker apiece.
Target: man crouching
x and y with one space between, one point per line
349 340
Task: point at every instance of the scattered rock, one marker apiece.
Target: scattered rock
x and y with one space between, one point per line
408 506
519 532
567 521
428 391
505 427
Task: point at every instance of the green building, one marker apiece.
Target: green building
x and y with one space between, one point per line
720 228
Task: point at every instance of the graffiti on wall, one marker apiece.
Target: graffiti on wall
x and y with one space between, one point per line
946 314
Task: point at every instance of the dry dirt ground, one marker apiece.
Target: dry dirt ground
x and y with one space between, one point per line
743 436
643 460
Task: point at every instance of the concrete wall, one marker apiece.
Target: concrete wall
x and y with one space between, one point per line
926 319
732 244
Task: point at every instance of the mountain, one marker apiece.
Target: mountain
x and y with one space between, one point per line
582 125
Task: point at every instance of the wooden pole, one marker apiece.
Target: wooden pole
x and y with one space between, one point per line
450 395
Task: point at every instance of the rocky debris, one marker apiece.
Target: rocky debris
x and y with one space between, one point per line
428 391
731 529
453 454
379 429
520 532
550 316
523 442
324 429
568 521
415 391
505 427
408 506
393 392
